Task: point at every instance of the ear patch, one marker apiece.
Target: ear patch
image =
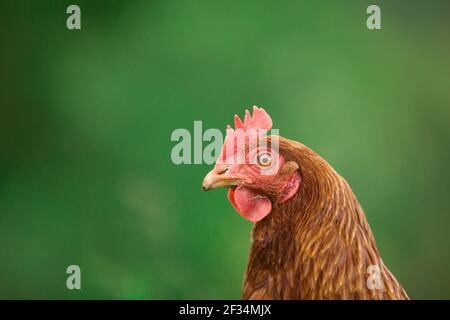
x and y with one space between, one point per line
290 188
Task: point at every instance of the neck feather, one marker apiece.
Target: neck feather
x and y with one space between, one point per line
318 244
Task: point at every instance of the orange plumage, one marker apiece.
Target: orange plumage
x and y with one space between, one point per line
318 245
314 243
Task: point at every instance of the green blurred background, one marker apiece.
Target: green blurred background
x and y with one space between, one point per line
86 116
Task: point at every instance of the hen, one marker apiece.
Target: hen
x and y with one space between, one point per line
310 238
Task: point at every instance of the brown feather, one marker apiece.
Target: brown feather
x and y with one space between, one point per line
318 244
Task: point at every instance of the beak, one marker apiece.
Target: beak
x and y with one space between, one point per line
218 177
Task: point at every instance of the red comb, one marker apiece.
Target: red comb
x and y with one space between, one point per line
259 123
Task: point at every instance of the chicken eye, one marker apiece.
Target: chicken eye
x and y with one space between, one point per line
265 159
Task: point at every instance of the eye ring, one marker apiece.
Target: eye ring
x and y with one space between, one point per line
265 159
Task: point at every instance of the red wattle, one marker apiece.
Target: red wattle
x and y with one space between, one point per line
249 204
